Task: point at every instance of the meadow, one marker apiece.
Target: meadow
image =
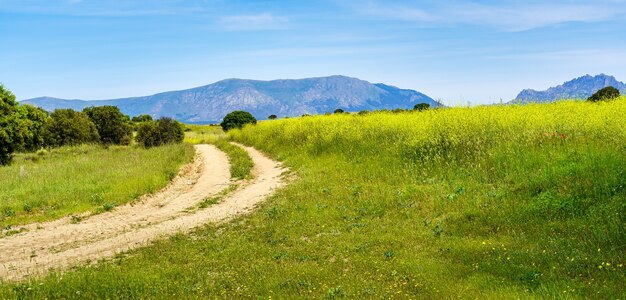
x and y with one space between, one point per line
54 183
486 202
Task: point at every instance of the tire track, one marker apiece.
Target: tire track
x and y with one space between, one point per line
60 244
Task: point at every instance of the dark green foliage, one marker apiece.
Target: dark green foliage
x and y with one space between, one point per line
272 117
604 94
142 118
148 134
34 120
339 111
69 127
163 131
11 127
113 126
237 119
172 131
421 106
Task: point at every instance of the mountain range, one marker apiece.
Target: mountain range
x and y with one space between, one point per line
578 88
290 97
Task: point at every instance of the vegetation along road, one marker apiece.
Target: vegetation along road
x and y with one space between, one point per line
193 198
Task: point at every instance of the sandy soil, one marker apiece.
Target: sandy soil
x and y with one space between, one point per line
60 244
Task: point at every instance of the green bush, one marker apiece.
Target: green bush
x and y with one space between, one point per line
172 131
11 126
69 127
112 125
272 117
604 94
237 119
163 131
34 119
339 111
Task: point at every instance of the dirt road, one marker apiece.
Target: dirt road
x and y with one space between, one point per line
63 243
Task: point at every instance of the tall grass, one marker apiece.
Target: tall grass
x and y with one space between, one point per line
487 202
47 185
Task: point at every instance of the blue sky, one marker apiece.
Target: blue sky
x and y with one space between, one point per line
456 51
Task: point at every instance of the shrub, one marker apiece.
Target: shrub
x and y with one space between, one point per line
147 134
421 106
171 131
272 117
142 118
69 127
237 119
604 94
34 120
339 111
112 125
11 127
163 131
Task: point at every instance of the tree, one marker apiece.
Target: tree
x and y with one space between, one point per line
142 118
34 119
421 106
69 127
272 117
11 126
604 94
113 126
237 119
163 131
339 111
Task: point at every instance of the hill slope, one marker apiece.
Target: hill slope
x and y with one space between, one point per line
578 88
262 98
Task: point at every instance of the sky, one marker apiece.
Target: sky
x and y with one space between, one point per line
460 52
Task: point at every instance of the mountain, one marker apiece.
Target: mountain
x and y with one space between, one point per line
210 103
579 88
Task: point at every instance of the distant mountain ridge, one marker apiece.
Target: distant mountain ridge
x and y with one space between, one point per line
284 97
578 88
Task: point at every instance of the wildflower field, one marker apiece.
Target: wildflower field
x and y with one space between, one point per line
486 202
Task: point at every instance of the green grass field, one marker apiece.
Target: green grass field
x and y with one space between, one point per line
69 180
203 134
487 202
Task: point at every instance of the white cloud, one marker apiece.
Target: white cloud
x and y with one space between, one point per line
264 21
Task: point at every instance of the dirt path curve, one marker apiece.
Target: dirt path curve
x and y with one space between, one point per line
60 244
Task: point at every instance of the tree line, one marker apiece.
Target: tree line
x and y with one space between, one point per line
26 128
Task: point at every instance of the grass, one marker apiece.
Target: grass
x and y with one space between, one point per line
203 134
70 180
487 202
240 162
